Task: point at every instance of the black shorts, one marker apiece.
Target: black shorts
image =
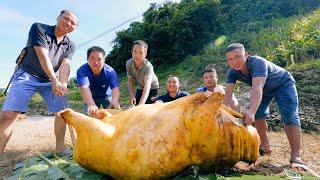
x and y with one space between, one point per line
151 98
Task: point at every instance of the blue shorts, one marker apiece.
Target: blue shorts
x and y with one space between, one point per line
286 98
23 86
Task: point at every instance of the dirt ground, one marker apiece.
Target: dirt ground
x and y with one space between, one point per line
36 135
30 137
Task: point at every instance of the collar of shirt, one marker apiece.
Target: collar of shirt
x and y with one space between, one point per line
248 64
175 96
65 39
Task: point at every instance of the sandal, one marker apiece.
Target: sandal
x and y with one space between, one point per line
65 153
263 152
298 162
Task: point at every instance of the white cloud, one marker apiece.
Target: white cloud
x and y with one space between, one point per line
8 16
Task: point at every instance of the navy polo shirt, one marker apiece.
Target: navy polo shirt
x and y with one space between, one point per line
43 35
202 89
260 67
98 84
167 98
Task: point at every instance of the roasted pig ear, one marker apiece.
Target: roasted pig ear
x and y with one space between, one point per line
219 97
86 124
73 118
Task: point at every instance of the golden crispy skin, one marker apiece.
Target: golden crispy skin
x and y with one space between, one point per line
160 140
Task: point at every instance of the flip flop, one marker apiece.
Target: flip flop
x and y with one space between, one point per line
297 161
263 152
65 153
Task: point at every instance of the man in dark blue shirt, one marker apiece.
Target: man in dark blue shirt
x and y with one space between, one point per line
94 78
268 81
173 92
48 50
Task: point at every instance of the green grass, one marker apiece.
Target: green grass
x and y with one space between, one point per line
311 64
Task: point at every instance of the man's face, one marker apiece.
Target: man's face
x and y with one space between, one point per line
138 54
173 84
96 61
67 22
210 79
237 59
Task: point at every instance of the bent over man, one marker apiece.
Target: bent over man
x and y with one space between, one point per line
45 70
268 81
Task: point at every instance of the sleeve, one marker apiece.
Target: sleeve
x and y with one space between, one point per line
128 68
259 68
186 94
114 81
200 89
71 50
82 78
37 36
231 77
148 69
160 98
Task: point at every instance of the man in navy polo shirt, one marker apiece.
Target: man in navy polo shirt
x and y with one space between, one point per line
173 92
94 78
268 82
45 69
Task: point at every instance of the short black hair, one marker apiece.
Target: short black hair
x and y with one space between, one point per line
95 49
235 46
141 43
62 12
174 76
66 10
210 70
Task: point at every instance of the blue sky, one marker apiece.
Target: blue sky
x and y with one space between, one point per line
96 16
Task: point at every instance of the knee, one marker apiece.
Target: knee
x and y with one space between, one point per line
8 117
6 120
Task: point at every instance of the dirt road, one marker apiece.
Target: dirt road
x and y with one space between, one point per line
30 136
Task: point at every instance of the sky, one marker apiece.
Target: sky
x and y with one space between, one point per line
95 17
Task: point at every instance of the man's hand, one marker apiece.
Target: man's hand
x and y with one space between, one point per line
208 93
92 110
114 105
133 101
248 117
59 89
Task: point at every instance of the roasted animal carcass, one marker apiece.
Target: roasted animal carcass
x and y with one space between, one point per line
160 140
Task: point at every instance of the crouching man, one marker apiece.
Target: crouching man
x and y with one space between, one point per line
94 78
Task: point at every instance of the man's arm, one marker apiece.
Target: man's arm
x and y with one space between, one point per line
47 67
115 98
131 90
64 72
87 98
146 89
230 99
158 101
228 94
234 104
255 99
